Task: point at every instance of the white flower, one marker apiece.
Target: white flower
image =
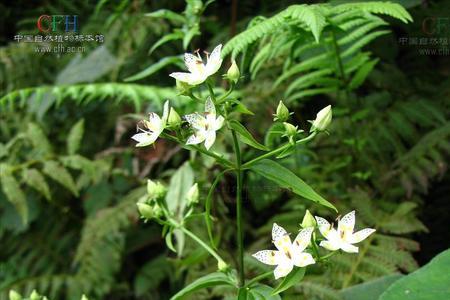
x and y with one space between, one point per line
153 128
288 254
199 72
205 127
343 237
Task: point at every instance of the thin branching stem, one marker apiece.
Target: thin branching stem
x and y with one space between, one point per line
240 229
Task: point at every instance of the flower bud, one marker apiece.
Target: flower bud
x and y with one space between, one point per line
145 210
84 297
233 73
155 190
323 119
174 119
222 266
291 130
282 112
13 295
308 220
192 195
157 210
35 296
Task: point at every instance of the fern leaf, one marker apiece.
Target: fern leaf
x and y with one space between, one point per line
13 192
394 10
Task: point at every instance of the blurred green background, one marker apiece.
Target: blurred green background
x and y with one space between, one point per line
71 175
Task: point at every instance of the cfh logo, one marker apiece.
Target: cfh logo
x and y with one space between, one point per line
54 23
435 25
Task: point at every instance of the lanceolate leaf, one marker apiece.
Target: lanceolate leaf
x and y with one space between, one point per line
209 280
181 182
286 179
58 173
75 136
246 136
13 193
292 279
34 179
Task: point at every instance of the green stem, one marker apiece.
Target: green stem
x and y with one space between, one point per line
193 97
224 97
211 92
240 232
328 255
278 150
338 57
201 243
258 278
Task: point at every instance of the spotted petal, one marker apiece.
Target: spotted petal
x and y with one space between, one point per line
361 235
209 107
284 268
189 78
349 248
303 259
324 226
144 138
210 138
196 138
347 223
269 257
196 121
281 238
214 61
302 240
193 63
330 245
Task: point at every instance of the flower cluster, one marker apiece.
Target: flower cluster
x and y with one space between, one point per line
290 254
205 125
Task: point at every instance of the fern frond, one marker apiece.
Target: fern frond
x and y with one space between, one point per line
85 93
394 10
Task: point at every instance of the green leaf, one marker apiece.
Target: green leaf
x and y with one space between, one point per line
286 179
362 73
75 136
169 242
313 18
34 179
262 292
213 279
38 138
155 67
178 35
13 193
370 290
246 136
427 283
291 279
241 107
180 183
58 173
167 14
242 293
